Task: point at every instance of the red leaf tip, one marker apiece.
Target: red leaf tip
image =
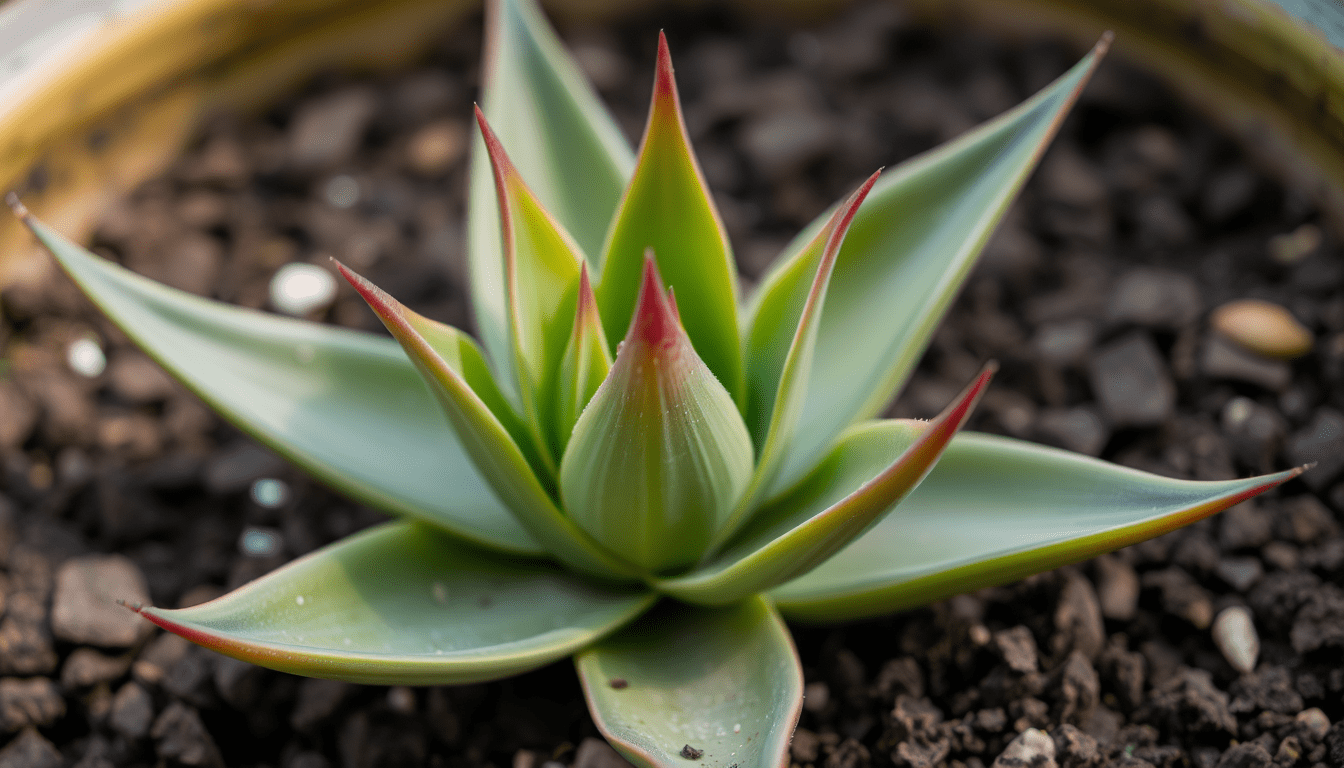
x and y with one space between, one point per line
665 83
655 321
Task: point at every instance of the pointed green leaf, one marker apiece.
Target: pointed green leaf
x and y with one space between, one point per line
723 681
992 511
563 142
906 255
777 368
660 456
541 272
584 367
489 444
347 407
402 603
798 533
667 207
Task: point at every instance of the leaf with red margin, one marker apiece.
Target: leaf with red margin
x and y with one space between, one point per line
798 533
347 407
489 444
541 272
994 510
905 257
563 141
777 369
403 603
725 681
667 207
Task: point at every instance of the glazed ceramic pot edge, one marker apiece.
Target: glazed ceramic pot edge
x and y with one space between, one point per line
98 96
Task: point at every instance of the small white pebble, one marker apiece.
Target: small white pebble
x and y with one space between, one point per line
341 191
299 288
269 492
298 599
737 727
259 542
85 357
1234 634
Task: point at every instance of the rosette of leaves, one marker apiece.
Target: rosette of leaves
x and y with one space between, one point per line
635 467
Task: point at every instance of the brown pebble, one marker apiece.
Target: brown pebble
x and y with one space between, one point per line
619 683
691 753
434 149
1262 327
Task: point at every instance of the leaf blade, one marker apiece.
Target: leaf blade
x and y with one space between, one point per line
667 208
288 383
792 538
906 254
726 681
993 510
563 142
487 441
381 607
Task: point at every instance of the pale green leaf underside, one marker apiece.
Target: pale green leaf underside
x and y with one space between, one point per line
563 142
403 603
722 680
347 407
993 510
910 247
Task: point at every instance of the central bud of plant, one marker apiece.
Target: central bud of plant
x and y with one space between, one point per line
660 455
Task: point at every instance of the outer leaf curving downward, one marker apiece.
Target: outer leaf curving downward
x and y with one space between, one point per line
489 443
347 407
725 681
563 141
906 254
994 510
794 535
667 207
402 603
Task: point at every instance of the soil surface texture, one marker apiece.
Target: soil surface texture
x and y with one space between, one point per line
1217 646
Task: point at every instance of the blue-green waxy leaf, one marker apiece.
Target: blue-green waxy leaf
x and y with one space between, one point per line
403 603
992 511
906 254
667 208
487 441
563 142
660 456
795 534
347 407
722 681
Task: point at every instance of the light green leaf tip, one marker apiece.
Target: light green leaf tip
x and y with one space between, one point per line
723 681
404 604
347 407
992 511
586 363
667 208
906 254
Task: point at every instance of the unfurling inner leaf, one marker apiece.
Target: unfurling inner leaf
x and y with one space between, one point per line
660 455
584 366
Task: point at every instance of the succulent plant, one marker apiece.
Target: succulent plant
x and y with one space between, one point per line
637 468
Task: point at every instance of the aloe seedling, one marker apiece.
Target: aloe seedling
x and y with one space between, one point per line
637 468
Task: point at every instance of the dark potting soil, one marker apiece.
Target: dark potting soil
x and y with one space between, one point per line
1140 222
